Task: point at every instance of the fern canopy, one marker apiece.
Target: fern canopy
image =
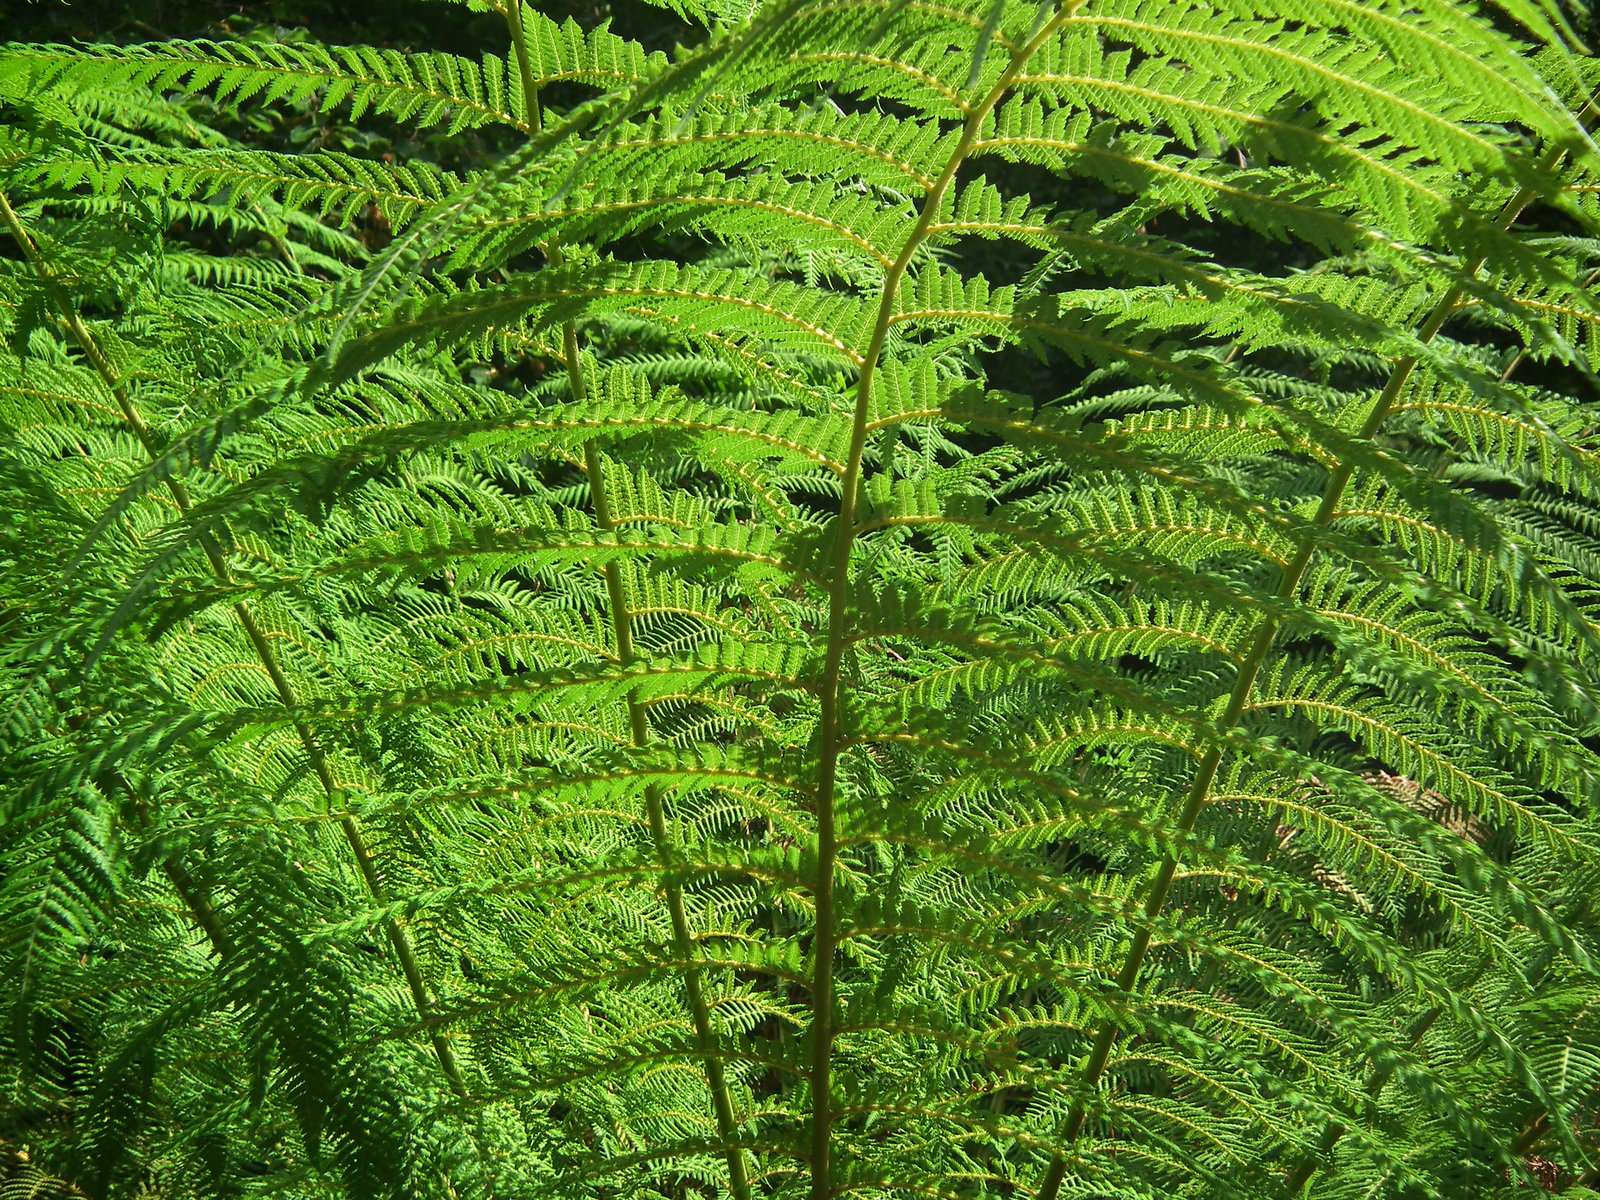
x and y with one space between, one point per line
942 599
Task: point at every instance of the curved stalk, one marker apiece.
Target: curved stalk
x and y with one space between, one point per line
258 641
1243 688
196 896
830 731
672 895
706 1040
1297 1180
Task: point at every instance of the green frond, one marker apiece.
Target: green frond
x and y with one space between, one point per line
943 598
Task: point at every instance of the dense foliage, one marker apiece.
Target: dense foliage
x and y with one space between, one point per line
957 599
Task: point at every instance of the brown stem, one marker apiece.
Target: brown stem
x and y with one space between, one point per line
1531 1135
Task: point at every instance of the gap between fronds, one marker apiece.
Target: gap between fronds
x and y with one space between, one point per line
1238 701
214 555
621 613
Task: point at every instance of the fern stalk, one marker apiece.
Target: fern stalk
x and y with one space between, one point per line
1301 1175
683 940
706 1040
252 630
195 896
830 724
1243 688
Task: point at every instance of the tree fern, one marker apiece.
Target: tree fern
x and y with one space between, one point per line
944 599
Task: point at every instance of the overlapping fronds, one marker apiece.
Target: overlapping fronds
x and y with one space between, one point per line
949 599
